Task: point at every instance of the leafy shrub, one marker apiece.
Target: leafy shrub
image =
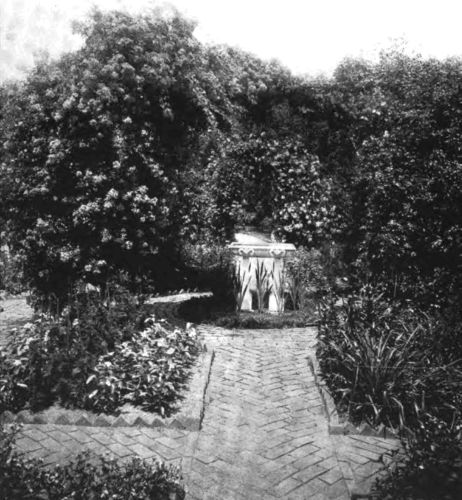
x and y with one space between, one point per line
148 371
432 467
260 177
94 147
49 360
52 359
214 268
85 477
305 276
311 274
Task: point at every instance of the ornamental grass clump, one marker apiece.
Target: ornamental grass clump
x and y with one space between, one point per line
263 286
372 357
241 280
386 363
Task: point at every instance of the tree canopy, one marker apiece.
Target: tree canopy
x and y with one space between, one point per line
114 155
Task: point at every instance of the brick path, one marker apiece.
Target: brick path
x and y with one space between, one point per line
264 432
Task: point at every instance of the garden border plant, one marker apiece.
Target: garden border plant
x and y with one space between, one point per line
86 476
77 359
389 363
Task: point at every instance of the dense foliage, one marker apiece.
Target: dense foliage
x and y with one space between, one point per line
99 354
85 477
93 149
11 274
148 371
404 188
432 468
114 155
262 179
385 364
398 366
145 150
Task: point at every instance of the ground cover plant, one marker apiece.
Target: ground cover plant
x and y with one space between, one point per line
251 320
99 353
85 477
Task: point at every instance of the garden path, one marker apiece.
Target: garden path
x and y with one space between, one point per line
264 432
14 312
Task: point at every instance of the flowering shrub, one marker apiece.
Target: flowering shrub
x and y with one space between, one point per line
87 476
93 146
261 178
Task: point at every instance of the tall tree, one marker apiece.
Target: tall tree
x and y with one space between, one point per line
95 146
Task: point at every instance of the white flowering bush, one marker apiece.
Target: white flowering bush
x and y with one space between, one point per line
263 179
92 150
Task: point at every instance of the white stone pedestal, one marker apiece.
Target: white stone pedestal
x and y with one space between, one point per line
249 255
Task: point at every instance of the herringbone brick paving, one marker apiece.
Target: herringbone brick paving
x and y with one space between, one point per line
264 432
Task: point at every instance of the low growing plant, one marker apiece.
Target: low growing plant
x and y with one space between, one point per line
432 464
253 320
54 359
384 363
147 371
86 477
